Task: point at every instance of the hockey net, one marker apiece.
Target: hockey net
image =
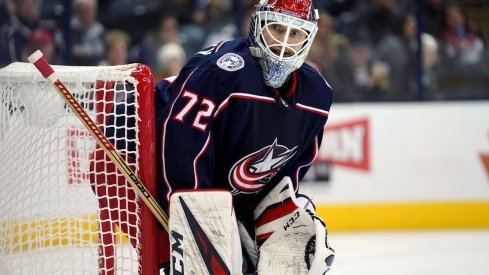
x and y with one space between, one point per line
65 209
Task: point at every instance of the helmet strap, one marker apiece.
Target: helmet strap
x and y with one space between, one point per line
256 52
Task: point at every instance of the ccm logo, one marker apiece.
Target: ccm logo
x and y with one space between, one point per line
177 253
291 221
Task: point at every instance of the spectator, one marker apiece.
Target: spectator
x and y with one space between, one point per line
376 20
193 33
463 69
431 62
171 59
462 48
330 53
219 25
41 39
168 31
338 7
117 45
227 31
360 53
393 63
88 33
6 10
434 10
15 35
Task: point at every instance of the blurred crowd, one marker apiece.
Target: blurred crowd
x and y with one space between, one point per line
368 50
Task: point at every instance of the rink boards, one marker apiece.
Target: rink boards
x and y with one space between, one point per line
405 166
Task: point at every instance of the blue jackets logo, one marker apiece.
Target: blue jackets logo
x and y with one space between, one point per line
251 173
230 62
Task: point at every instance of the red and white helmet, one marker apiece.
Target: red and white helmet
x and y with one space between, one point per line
281 34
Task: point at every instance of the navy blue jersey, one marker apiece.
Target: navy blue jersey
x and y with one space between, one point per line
223 128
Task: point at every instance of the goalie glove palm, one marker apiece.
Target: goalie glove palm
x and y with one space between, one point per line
291 240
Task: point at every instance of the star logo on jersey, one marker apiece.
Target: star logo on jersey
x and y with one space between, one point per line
230 62
251 173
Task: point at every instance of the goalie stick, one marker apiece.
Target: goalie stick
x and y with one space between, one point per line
38 60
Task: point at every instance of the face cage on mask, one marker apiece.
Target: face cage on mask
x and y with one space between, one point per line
276 69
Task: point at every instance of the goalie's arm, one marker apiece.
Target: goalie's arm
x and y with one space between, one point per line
187 143
304 161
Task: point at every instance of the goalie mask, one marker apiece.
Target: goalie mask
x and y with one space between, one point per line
281 34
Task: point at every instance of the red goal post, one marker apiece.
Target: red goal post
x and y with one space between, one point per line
65 207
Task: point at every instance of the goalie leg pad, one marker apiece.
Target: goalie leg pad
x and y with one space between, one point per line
204 237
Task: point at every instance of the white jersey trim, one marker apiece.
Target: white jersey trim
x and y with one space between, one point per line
312 109
243 96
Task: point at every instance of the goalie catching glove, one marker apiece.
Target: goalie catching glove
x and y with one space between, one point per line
291 239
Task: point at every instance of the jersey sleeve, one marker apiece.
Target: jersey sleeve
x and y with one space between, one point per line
307 157
186 137
304 161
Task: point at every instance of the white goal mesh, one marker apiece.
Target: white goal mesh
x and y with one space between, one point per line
65 209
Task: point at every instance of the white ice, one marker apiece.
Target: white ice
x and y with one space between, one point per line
411 253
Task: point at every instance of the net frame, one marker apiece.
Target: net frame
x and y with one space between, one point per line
102 103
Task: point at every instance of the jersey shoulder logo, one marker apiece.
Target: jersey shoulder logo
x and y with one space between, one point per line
231 62
251 173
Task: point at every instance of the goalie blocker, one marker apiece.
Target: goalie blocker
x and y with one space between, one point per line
204 235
